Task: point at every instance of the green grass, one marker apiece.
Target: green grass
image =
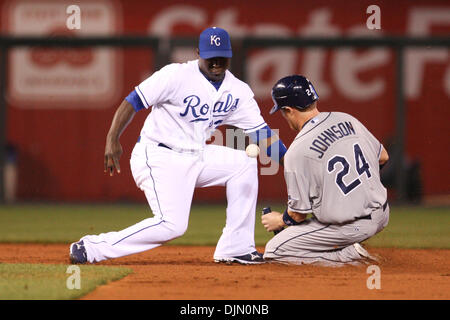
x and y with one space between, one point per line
415 227
64 223
409 227
50 282
67 223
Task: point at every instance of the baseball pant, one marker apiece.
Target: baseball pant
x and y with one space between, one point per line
168 179
313 242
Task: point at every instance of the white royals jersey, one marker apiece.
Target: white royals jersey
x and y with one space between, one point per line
187 108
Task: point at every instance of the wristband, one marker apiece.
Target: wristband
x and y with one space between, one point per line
287 219
278 151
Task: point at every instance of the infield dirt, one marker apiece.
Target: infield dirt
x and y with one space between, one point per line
189 273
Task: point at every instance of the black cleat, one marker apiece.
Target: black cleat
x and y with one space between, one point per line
250 258
78 253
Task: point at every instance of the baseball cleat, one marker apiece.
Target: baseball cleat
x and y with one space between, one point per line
250 258
78 253
365 254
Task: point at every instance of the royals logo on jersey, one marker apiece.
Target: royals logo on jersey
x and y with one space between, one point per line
200 111
196 106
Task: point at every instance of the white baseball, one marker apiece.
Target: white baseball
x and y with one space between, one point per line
252 150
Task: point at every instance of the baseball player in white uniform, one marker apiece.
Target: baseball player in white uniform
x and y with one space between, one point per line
171 159
332 171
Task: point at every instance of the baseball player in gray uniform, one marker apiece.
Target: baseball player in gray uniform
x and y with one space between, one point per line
332 171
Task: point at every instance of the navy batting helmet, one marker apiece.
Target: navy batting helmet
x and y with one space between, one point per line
293 91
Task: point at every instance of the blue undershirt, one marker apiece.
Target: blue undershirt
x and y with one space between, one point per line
216 84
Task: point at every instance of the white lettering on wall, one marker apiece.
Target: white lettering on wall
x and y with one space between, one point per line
314 60
419 24
264 68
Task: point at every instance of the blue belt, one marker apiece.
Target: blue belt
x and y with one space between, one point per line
164 146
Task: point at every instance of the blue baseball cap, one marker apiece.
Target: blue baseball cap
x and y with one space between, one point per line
214 42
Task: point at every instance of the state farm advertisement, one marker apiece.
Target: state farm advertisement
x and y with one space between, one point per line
58 85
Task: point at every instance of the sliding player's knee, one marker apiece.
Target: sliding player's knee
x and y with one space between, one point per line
271 247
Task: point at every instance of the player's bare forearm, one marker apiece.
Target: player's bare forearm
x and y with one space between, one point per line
113 150
122 117
384 156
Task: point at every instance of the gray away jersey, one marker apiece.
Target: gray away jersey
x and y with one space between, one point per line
332 169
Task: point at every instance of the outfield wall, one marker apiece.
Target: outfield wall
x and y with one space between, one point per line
61 102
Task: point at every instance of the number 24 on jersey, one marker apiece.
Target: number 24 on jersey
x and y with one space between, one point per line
362 167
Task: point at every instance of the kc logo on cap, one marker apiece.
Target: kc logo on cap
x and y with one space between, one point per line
214 42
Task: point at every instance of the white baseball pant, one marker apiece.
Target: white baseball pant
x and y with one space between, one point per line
168 179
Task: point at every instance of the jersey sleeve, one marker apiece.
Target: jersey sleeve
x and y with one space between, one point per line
296 175
158 87
298 190
247 116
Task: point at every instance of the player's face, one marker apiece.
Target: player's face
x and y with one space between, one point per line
214 68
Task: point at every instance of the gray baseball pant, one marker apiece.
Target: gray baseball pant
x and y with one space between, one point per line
313 242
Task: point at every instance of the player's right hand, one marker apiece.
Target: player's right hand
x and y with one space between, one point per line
113 151
272 221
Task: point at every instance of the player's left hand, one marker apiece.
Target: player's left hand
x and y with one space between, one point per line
273 221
